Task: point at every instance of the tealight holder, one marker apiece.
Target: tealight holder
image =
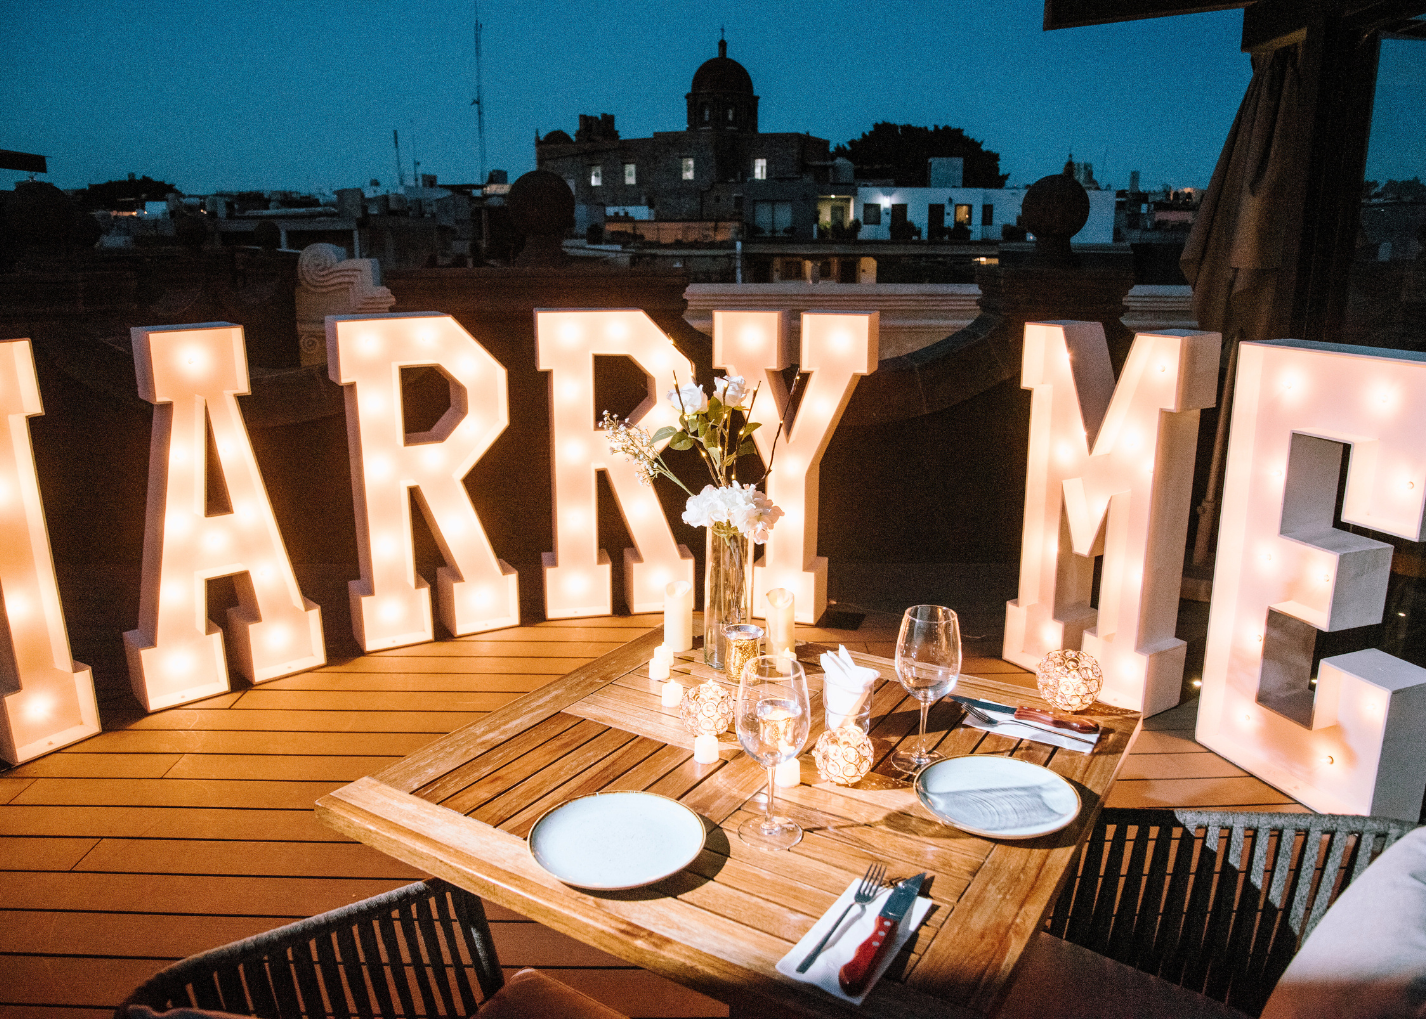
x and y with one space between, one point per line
707 709
744 641
843 755
1069 680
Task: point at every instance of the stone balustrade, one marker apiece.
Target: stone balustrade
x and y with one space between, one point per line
913 315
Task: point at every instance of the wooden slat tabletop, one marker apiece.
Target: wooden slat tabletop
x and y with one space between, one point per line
461 807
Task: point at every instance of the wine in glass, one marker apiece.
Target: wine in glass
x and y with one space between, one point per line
772 720
928 663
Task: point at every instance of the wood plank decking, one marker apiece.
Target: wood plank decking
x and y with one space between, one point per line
193 827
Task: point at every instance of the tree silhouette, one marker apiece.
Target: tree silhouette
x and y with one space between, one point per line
123 194
900 151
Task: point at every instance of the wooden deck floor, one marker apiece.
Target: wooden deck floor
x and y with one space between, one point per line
193 827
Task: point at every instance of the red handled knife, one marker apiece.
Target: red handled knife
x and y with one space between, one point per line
856 974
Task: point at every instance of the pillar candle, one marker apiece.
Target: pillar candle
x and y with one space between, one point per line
672 692
705 748
678 616
789 773
781 631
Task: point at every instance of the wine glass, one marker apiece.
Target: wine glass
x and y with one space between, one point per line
928 663
772 720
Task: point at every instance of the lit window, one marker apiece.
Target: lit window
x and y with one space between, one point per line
759 169
687 167
707 114
630 174
730 114
596 176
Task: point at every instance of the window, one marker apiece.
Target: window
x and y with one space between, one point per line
596 176
871 214
687 167
730 114
962 215
759 169
987 215
631 175
772 218
707 114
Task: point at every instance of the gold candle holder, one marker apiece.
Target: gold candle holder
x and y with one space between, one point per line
1069 680
843 755
744 641
707 709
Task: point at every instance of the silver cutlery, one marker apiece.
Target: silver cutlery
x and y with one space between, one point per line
870 886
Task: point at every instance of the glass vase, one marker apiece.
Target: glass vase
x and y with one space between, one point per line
727 592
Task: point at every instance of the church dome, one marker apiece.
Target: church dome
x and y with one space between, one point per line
722 74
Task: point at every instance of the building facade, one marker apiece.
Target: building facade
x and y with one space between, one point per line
720 168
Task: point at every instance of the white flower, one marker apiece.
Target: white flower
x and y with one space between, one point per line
731 391
689 399
741 507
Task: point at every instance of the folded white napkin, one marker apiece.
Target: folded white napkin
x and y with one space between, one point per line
852 931
846 686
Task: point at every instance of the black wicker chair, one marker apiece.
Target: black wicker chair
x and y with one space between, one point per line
421 950
1216 901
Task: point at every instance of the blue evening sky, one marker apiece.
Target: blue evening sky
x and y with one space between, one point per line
262 95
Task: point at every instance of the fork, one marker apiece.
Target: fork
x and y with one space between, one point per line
870 886
980 716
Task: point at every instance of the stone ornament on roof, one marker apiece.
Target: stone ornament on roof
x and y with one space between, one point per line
330 283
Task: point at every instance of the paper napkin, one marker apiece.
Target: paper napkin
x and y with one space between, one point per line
855 929
846 686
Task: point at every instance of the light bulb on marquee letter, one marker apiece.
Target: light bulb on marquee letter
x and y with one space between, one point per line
48 697
1285 571
193 375
391 605
836 349
1128 499
577 572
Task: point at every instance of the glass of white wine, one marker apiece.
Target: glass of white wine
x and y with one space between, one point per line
928 663
772 721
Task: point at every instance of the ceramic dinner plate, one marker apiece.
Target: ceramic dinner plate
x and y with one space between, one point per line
998 797
616 840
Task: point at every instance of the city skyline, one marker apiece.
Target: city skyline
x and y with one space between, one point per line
263 96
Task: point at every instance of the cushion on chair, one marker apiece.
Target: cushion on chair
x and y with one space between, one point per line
1060 980
1367 957
532 995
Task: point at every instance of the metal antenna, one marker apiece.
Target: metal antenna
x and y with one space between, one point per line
400 173
479 101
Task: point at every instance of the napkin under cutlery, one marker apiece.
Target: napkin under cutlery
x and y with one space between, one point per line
846 686
1007 726
855 929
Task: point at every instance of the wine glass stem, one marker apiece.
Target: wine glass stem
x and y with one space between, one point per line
925 708
771 785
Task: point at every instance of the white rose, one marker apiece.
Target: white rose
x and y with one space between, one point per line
731 391
689 399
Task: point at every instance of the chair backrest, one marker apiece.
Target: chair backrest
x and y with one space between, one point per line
1216 901
410 952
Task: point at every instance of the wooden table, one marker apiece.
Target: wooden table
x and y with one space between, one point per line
461 807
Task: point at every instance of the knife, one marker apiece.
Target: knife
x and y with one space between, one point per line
1038 718
856 974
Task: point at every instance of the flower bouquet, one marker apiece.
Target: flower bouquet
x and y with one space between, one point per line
736 514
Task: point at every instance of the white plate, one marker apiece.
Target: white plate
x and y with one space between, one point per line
616 840
998 797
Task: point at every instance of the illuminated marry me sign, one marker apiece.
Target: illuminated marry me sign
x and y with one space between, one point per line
1110 472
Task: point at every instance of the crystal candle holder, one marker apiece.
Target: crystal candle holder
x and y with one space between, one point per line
1069 680
707 709
843 755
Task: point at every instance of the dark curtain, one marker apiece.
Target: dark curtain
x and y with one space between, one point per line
1235 252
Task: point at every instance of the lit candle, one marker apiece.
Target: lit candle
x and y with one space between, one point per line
678 616
705 748
658 668
672 692
781 631
664 653
789 773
